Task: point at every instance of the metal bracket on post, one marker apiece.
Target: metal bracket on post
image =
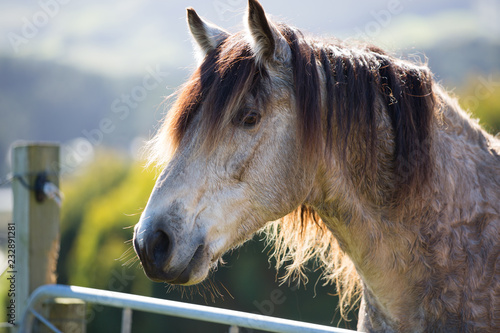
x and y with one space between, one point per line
40 181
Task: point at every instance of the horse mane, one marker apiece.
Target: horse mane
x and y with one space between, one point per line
301 238
355 78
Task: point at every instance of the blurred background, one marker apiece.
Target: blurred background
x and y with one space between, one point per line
92 75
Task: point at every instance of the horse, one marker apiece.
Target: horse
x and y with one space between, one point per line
344 155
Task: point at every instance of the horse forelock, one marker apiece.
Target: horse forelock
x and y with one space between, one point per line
226 76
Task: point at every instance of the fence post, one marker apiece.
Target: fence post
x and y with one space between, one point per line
36 222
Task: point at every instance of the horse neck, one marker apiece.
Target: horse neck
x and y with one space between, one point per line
466 167
463 156
387 247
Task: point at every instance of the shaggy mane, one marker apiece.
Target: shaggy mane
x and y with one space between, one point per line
354 78
301 238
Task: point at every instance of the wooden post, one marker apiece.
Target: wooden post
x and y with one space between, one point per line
36 223
67 314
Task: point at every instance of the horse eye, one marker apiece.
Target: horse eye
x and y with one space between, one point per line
250 119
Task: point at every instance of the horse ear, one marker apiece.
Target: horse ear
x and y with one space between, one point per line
206 35
267 42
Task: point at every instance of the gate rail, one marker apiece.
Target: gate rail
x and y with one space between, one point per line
165 307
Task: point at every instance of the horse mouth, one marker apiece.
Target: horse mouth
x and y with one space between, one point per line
182 275
185 276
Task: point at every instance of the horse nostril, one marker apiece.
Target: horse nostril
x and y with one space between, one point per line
158 248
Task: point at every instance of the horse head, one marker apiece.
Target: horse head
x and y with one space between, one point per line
235 152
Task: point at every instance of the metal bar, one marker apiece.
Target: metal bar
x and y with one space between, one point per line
44 321
173 308
126 320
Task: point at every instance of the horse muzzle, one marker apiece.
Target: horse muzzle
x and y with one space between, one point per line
165 260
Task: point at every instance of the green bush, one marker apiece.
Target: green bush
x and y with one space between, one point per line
481 97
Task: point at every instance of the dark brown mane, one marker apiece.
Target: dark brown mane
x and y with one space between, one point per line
355 77
226 75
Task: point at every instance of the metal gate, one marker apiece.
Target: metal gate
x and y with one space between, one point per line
166 307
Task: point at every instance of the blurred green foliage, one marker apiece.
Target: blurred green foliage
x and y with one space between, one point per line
481 97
